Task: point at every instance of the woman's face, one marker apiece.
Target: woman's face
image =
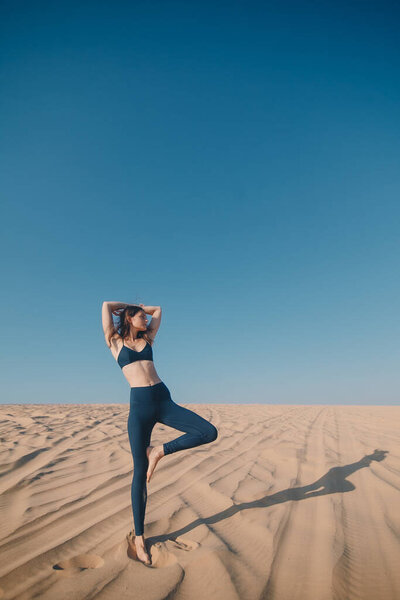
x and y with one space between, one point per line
139 320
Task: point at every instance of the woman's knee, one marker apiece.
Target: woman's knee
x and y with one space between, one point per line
211 433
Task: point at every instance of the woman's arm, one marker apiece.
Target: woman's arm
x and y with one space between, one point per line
114 305
150 310
107 311
155 312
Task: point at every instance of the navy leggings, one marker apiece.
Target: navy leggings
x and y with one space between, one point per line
149 405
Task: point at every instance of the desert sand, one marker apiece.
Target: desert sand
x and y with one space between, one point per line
289 503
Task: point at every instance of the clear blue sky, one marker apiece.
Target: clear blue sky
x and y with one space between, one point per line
236 163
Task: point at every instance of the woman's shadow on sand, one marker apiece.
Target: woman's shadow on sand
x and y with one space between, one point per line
335 480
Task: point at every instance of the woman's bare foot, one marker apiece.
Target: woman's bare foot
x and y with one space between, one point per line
141 550
154 453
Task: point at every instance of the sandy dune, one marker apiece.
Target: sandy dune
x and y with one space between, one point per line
289 503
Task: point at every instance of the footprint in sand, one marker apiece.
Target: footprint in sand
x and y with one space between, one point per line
160 555
184 544
76 564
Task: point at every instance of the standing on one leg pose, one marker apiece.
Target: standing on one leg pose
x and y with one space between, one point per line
150 403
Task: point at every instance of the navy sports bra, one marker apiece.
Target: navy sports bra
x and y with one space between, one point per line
127 356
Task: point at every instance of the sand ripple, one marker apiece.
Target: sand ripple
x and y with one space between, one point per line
289 503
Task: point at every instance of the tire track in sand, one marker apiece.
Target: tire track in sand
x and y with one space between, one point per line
364 571
310 521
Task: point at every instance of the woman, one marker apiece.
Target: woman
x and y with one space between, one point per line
150 403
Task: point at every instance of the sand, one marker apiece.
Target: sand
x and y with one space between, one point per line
289 503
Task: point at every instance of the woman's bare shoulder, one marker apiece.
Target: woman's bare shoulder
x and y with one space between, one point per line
116 343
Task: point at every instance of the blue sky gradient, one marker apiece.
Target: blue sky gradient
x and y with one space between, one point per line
236 163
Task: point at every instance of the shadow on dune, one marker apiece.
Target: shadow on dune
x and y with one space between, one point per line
335 480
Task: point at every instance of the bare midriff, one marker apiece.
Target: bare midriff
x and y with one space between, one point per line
141 373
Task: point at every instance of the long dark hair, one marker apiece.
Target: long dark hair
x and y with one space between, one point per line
123 325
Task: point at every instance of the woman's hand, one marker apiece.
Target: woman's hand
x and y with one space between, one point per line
149 310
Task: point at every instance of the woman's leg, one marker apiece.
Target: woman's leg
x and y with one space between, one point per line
198 430
140 425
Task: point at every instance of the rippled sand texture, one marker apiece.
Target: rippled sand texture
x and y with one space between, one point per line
289 503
